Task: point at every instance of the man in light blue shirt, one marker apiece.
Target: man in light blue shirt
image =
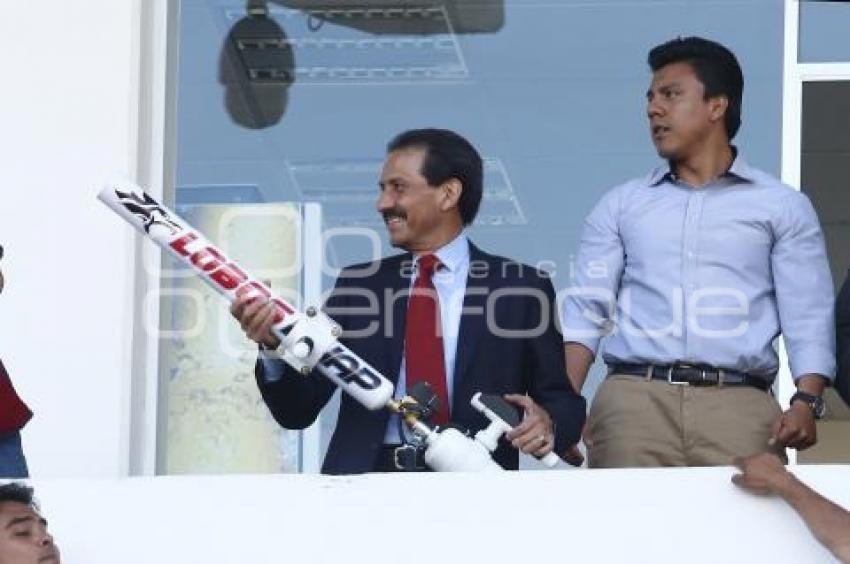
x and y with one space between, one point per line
693 271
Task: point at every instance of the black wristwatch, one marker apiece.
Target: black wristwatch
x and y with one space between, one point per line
815 403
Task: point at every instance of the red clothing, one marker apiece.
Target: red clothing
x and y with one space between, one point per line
14 413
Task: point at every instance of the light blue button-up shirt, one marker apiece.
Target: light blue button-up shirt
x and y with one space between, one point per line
704 275
450 283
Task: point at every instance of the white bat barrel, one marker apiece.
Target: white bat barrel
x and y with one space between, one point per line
171 233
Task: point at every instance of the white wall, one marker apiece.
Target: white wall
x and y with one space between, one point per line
68 120
600 516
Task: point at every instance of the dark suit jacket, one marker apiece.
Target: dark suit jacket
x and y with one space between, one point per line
842 335
486 361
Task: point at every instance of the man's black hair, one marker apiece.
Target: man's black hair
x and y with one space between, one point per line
715 66
447 156
17 492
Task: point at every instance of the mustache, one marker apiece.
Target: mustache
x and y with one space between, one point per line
394 212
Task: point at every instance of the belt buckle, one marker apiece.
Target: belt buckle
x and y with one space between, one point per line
405 458
681 382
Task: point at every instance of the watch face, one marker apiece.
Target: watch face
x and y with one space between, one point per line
815 403
819 408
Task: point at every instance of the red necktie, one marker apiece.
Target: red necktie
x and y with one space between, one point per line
423 337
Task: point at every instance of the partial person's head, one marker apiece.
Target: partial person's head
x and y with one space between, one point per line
695 96
23 531
431 187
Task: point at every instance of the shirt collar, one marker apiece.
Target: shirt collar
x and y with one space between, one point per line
739 169
453 253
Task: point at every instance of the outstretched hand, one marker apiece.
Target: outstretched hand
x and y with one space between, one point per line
762 474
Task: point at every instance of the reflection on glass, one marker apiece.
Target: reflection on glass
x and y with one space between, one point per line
216 421
330 46
256 69
411 17
347 192
342 42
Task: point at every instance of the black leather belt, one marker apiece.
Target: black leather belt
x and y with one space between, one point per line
694 375
400 458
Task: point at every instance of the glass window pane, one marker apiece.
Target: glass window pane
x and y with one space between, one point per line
825 168
824 32
214 418
551 93
825 165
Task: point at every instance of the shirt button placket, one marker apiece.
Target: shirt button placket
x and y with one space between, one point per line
689 260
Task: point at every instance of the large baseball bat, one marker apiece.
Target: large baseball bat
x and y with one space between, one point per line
307 341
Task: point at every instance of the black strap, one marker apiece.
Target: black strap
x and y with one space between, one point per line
400 458
693 374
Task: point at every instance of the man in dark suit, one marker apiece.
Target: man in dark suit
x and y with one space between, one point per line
493 318
14 414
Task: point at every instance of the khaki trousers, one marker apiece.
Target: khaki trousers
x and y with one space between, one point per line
636 422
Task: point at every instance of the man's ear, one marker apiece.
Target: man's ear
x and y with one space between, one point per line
451 189
718 106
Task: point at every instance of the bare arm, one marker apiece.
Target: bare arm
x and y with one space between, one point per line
830 524
578 359
812 384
